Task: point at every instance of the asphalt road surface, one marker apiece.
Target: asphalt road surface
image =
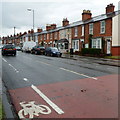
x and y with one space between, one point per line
50 87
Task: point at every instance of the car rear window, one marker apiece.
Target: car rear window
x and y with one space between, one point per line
9 46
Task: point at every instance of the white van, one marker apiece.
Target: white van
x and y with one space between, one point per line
27 46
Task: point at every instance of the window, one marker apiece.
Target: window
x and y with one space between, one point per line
102 27
47 36
44 36
75 45
76 31
50 35
82 30
96 43
36 38
56 35
91 28
40 37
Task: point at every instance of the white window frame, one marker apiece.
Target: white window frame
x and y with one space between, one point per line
83 30
102 27
76 31
91 28
55 35
50 36
75 45
44 36
36 38
97 43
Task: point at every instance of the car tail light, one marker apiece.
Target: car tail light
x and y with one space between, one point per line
4 49
14 49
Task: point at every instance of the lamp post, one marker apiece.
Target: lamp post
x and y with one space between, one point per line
33 21
14 36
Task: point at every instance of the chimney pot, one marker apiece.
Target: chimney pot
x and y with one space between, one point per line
86 15
65 22
110 8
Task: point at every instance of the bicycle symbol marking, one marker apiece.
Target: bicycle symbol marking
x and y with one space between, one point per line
31 109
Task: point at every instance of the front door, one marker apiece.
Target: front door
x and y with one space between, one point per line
108 46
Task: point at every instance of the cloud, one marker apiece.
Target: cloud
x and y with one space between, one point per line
14 13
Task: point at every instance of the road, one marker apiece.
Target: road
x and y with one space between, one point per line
52 87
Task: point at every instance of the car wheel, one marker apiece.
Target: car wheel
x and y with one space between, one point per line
3 54
51 55
14 54
36 52
31 52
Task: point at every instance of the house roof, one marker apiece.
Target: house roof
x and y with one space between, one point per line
77 23
93 19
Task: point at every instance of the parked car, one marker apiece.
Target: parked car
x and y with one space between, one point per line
52 51
8 49
18 48
38 50
1 46
27 46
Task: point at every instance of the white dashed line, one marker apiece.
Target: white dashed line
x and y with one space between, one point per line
25 79
13 68
4 60
54 106
43 63
79 73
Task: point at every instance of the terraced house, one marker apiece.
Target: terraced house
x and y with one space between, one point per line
91 32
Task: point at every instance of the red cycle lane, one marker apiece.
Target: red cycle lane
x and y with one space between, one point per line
84 98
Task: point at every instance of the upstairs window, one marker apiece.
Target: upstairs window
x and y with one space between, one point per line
102 27
56 35
91 28
44 36
82 30
40 37
50 35
76 31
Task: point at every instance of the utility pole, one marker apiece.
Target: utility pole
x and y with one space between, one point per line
14 36
33 23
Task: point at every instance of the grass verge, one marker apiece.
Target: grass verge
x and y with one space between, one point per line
2 114
113 57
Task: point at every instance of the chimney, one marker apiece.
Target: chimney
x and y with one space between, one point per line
86 15
48 27
53 26
110 8
24 33
32 31
65 22
29 32
39 30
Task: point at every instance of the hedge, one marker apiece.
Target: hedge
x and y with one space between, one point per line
91 51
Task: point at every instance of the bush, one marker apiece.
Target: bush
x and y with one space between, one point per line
91 51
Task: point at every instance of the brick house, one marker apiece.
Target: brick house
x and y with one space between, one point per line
94 32
90 32
116 35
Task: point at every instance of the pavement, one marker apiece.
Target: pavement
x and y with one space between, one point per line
103 61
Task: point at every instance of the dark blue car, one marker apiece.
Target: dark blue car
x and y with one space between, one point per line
52 51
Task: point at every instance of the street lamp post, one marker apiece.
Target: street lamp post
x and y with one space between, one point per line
14 36
33 22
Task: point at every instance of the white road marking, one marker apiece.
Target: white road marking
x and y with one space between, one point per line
54 106
4 60
43 62
25 79
79 73
13 68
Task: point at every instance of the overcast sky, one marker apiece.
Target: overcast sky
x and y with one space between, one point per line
46 12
